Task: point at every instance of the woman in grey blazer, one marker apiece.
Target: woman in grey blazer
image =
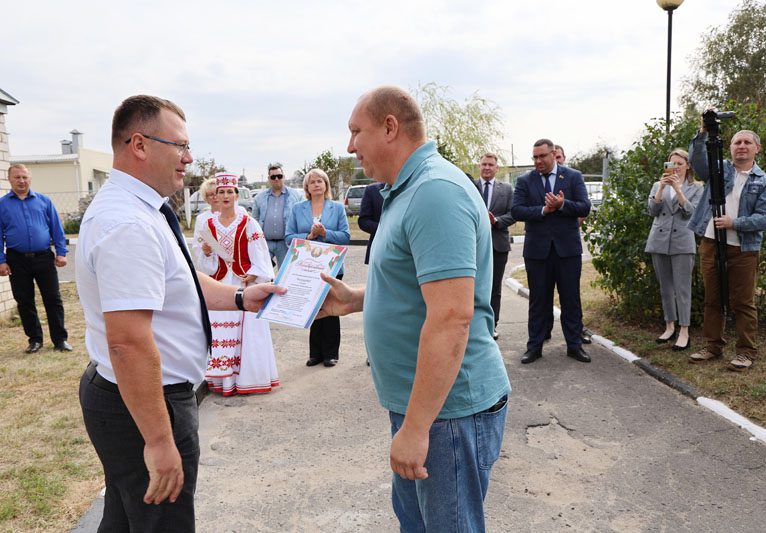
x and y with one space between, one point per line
671 202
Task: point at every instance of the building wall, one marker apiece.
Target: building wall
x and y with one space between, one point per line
94 166
7 303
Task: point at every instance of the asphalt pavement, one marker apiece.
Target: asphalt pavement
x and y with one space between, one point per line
588 447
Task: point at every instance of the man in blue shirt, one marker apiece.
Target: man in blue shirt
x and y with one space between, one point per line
28 223
272 207
428 321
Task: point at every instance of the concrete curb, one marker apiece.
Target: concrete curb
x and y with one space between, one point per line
719 408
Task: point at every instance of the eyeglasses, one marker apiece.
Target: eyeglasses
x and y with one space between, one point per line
180 147
541 156
276 177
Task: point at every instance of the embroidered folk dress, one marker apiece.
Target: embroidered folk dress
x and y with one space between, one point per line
241 359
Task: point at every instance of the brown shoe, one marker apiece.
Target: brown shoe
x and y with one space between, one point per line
703 355
741 362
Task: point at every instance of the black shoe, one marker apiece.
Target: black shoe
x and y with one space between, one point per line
330 362
579 354
661 340
62 346
586 336
368 361
494 334
313 361
530 356
34 347
677 348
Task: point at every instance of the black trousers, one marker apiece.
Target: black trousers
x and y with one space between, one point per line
324 337
120 448
542 276
499 260
25 271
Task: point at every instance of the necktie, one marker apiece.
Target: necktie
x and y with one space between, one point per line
486 193
547 183
173 223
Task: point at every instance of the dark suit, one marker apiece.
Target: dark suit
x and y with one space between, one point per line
500 206
552 251
369 214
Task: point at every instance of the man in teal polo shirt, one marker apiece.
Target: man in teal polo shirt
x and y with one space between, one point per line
427 319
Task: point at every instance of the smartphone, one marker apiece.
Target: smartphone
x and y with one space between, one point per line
669 165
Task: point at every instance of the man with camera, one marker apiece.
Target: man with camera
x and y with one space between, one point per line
744 221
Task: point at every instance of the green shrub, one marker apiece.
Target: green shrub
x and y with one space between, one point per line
616 235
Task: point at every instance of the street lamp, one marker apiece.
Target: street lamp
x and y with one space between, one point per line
669 6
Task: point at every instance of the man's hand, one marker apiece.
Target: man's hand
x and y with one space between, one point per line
724 222
341 300
255 294
408 453
5 270
492 218
60 261
553 202
166 475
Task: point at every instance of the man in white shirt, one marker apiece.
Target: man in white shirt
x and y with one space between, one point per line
744 222
147 324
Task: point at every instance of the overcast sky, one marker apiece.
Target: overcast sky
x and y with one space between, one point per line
265 81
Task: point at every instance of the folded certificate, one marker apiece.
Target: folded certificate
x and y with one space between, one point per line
306 291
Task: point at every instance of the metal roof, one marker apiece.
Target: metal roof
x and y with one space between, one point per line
48 158
7 99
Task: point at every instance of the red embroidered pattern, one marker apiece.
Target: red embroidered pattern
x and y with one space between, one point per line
226 324
225 343
255 236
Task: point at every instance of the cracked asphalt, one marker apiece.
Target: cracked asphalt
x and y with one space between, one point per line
588 447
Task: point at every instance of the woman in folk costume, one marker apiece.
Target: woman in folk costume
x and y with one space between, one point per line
207 191
241 358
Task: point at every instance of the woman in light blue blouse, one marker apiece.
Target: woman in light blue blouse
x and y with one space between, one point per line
320 218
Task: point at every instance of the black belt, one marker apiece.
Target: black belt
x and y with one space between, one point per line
29 254
275 240
102 383
499 405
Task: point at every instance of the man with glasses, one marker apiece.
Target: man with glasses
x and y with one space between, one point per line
549 200
272 207
148 331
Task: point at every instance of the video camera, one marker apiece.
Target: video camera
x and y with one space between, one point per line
711 119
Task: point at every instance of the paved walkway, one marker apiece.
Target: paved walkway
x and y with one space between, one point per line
588 447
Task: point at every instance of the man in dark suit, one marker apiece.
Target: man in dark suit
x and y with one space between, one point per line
549 200
369 214
499 198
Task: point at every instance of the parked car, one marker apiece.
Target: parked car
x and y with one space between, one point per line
352 201
198 204
595 193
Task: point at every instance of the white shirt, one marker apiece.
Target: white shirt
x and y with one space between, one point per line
491 184
127 258
731 208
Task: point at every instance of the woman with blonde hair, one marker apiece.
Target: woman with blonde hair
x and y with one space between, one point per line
320 218
671 202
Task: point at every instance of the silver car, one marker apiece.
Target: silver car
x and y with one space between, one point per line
353 199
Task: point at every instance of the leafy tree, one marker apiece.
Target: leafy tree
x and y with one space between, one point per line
340 170
463 131
730 63
202 169
616 234
591 161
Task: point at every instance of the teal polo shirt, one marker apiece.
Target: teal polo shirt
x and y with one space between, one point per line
433 226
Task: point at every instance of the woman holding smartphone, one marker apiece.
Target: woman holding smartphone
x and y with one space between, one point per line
672 201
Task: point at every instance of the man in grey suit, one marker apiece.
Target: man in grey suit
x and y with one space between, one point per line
498 198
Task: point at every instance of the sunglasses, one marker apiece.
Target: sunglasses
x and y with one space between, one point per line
277 177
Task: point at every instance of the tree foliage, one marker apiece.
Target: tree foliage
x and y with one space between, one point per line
463 131
617 233
730 63
202 169
340 170
592 160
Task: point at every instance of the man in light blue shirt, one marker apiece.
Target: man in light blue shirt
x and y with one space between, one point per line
271 208
427 319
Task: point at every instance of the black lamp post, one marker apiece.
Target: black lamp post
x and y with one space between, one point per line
669 6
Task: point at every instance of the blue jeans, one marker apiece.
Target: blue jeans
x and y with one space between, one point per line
277 249
461 452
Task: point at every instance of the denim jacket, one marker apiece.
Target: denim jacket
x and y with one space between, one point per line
751 220
261 201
